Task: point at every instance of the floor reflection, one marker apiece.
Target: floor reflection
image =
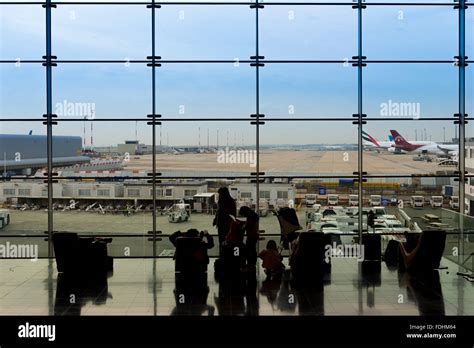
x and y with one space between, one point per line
303 296
350 289
424 289
74 291
191 293
232 293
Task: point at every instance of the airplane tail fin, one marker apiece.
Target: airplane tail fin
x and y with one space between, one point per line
366 136
399 140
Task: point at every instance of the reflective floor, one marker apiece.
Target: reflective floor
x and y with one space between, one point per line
149 287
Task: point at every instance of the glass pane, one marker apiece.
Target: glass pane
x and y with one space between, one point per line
23 211
190 32
101 32
469 95
308 91
410 148
406 207
23 148
191 203
112 195
410 32
308 148
326 205
102 91
469 33
205 90
120 145
412 91
206 149
24 199
23 91
22 32
302 32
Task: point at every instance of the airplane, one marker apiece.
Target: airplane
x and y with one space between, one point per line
378 145
423 147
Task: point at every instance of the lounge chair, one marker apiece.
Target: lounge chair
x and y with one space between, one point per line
427 252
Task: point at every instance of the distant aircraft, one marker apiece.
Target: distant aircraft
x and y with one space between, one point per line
423 147
377 145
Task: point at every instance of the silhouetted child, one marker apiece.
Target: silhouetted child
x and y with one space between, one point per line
271 259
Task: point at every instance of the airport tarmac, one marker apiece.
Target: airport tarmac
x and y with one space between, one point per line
35 222
289 161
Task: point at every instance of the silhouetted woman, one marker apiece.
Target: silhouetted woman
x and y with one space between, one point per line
251 229
225 207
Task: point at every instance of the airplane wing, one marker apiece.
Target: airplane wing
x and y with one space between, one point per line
446 150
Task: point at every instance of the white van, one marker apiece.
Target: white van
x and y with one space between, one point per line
310 199
375 200
353 200
333 199
417 201
454 202
436 201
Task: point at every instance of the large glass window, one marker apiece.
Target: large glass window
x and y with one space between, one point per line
320 105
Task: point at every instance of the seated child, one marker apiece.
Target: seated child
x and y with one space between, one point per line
271 259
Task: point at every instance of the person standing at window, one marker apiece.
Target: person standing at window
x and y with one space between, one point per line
225 208
251 230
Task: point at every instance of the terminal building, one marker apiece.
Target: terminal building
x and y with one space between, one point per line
26 153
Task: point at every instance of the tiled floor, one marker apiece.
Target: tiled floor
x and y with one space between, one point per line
149 287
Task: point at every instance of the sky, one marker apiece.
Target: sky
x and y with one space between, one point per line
187 91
